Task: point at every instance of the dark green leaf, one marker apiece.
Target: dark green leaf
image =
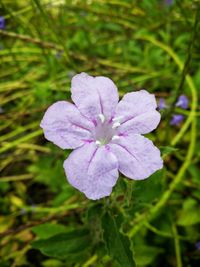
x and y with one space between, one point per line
145 255
118 245
65 244
148 190
190 214
47 230
167 150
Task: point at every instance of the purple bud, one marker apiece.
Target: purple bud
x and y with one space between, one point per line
176 119
59 54
182 102
2 23
197 245
168 2
161 104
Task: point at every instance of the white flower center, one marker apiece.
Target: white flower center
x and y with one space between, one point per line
105 130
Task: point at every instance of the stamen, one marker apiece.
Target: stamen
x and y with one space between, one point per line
117 119
98 143
115 137
101 117
116 124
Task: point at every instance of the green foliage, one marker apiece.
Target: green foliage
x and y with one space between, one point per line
142 193
145 255
46 230
167 150
65 245
118 245
190 213
53 177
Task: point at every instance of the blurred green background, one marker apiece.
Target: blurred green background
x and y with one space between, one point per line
151 44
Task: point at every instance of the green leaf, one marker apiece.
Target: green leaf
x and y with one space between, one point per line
145 255
148 190
65 193
47 230
49 171
64 245
52 263
167 150
117 244
190 214
94 222
195 173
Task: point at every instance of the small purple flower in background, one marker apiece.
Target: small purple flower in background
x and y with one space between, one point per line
1 110
176 119
168 2
197 245
105 135
2 23
182 102
161 104
59 54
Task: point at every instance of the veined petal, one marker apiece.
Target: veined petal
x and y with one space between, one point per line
94 95
138 113
93 170
64 125
141 124
137 156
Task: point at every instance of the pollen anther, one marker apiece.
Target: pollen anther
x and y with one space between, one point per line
101 117
115 137
116 124
117 119
98 142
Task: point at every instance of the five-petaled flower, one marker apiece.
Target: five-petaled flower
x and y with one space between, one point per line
105 134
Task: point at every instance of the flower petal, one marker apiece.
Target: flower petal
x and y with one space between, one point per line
182 102
65 126
94 95
138 157
137 113
142 124
93 170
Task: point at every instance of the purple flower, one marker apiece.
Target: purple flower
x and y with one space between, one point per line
176 119
168 2
105 134
182 102
197 245
161 104
59 54
2 23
